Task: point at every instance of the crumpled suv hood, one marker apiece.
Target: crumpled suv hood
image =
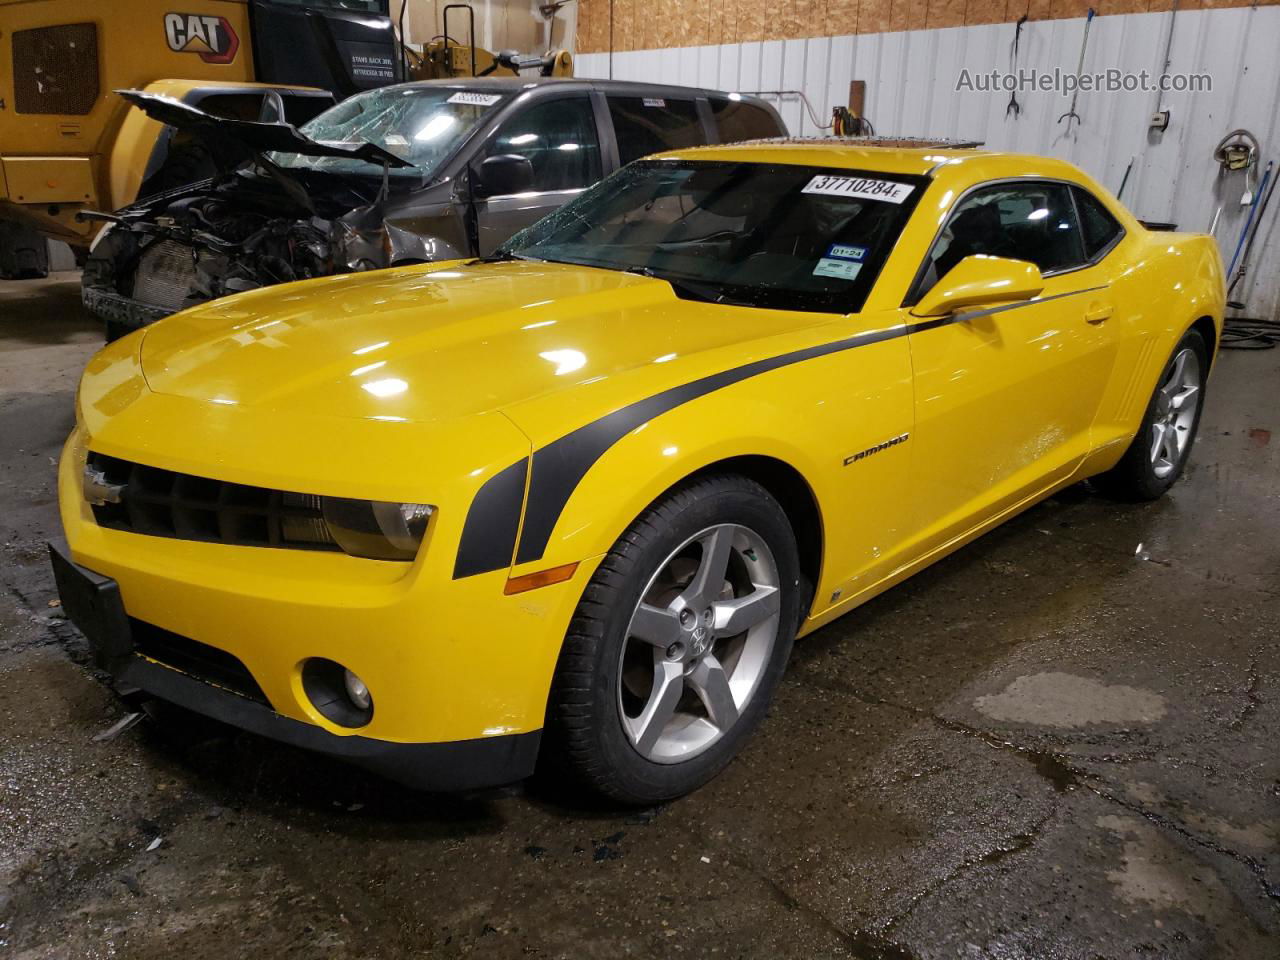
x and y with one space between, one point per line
252 135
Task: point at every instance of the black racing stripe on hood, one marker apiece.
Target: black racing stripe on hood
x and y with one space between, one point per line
489 533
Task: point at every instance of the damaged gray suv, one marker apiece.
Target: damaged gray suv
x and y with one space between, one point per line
399 175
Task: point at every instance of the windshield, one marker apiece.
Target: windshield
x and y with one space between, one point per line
422 125
768 235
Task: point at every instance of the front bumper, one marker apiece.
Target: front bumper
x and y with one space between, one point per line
121 314
94 605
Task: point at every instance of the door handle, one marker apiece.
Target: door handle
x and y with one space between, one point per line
1098 313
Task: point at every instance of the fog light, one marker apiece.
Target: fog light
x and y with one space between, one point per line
337 694
356 690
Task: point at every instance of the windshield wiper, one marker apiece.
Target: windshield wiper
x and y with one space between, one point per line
502 255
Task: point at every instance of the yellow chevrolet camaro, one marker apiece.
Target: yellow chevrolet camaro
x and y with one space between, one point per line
574 502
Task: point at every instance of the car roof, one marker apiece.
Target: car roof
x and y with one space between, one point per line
632 87
913 156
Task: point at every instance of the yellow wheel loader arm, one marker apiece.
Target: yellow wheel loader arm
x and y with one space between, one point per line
60 60
445 60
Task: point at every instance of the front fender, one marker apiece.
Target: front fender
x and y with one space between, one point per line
587 485
644 464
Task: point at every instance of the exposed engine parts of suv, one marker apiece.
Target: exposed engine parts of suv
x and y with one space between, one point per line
406 174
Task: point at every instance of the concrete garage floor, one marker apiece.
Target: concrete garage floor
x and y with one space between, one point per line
1052 744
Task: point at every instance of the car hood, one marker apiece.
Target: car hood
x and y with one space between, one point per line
251 136
438 341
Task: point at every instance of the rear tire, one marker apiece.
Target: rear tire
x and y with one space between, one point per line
678 643
24 253
1159 452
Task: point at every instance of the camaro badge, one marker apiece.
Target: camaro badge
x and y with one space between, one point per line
863 454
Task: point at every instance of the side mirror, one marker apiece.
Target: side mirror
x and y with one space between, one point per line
503 174
981 281
272 108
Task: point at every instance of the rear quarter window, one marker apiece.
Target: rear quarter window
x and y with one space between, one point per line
645 125
1099 228
737 120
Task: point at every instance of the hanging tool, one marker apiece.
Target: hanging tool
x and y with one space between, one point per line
1253 209
1254 220
1245 332
1075 94
846 123
1014 108
1160 119
1238 150
1125 180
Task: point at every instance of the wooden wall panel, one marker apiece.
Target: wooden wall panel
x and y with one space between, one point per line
910 16
874 16
663 24
1038 9
988 11
757 21
943 13
842 17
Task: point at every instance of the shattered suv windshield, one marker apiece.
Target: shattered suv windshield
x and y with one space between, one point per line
421 125
770 235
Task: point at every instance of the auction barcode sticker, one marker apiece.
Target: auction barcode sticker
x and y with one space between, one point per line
860 188
475 99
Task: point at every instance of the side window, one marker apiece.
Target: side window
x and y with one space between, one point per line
559 138
736 120
1023 221
645 125
1099 228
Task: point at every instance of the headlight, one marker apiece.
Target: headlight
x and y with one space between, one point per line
376 529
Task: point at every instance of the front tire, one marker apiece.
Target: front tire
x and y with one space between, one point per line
1158 454
678 643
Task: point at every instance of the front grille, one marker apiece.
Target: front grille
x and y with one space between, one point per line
165 275
55 69
196 659
162 503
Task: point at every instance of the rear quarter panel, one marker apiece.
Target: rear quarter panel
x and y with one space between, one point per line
1162 284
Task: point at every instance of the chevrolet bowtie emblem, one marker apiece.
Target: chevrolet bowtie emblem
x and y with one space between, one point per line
97 490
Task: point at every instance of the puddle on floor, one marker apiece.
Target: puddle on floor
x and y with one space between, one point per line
1066 700
1160 876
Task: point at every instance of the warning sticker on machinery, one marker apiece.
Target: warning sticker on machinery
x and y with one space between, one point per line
860 188
475 99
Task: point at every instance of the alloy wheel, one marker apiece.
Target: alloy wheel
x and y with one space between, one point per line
1175 413
698 642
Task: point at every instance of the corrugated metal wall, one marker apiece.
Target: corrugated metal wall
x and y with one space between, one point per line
911 90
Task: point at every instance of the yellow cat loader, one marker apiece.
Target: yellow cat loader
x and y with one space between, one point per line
67 143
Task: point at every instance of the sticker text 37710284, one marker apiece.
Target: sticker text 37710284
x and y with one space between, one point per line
861 188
